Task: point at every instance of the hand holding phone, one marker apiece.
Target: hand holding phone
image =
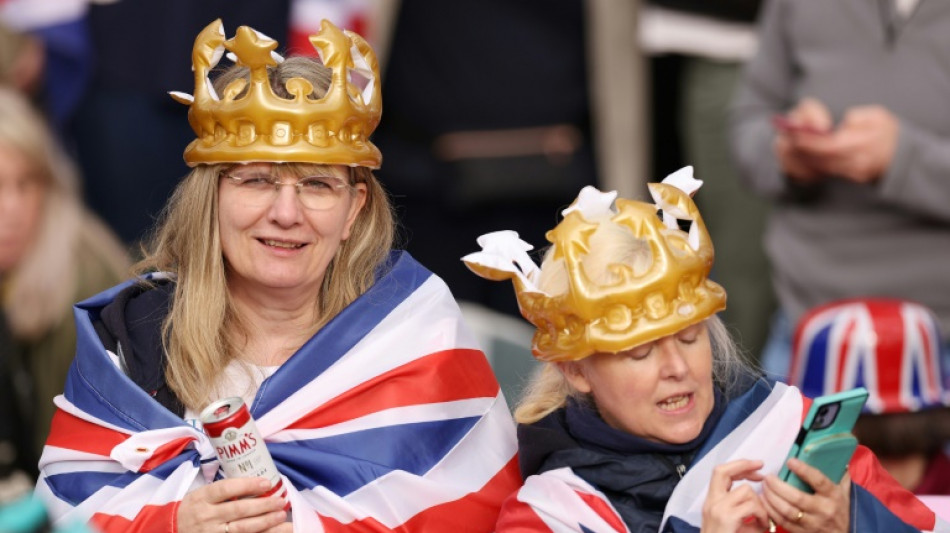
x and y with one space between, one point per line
783 124
825 440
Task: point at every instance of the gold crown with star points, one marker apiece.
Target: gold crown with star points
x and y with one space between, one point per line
659 290
248 122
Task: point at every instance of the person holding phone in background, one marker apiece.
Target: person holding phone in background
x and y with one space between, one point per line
644 416
857 167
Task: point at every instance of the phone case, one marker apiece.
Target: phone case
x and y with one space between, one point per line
825 440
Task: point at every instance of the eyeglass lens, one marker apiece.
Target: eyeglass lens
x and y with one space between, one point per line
315 192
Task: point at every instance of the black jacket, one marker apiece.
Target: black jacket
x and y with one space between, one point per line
637 476
131 327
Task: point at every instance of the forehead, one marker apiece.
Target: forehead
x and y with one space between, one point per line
293 169
692 329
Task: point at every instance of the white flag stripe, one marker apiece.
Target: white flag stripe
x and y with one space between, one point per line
563 509
410 414
393 342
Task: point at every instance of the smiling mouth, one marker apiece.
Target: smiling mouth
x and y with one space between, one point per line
675 402
282 244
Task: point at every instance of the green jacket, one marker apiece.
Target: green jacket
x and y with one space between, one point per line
43 362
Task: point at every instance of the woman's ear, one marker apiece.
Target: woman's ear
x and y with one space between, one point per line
573 372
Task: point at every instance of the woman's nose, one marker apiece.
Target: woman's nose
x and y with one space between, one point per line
674 363
286 208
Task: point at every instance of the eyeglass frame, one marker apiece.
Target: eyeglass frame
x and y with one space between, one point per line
348 184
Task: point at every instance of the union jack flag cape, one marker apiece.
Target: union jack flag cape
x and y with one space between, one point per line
760 424
388 419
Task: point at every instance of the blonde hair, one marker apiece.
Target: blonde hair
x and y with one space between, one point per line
42 286
202 330
612 245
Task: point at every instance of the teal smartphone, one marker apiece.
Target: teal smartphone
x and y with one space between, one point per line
825 440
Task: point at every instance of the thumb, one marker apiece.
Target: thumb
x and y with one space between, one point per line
812 112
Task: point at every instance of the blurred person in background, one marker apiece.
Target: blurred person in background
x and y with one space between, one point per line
890 347
16 458
841 121
62 52
53 252
21 59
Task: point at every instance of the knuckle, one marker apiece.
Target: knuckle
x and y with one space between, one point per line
748 492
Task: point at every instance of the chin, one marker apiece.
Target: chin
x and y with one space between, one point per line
284 284
684 436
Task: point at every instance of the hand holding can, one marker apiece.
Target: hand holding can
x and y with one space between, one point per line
239 445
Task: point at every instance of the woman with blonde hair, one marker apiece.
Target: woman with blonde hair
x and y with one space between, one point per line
270 291
643 415
53 252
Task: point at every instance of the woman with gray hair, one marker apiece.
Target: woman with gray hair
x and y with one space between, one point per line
643 416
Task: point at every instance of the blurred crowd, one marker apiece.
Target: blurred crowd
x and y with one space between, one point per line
818 128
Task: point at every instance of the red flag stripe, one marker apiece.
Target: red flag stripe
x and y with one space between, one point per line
866 471
519 517
470 509
449 375
151 519
69 431
930 390
888 378
603 510
166 452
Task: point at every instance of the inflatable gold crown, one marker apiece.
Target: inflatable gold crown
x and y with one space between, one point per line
251 123
660 290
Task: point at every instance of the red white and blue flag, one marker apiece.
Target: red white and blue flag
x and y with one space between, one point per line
760 424
890 347
558 501
388 419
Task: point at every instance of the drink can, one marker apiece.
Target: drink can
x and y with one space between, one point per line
238 444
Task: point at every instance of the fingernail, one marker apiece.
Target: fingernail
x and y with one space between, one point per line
263 484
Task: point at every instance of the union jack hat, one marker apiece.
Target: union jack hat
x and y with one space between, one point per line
890 347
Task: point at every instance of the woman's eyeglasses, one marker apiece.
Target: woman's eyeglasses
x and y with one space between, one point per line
259 189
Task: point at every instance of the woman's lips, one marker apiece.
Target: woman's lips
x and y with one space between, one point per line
675 403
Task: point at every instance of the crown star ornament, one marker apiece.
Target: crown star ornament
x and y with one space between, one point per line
642 302
248 122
